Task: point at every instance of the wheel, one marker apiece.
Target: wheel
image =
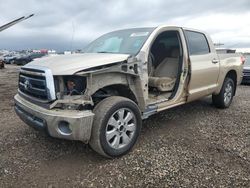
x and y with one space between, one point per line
225 97
116 126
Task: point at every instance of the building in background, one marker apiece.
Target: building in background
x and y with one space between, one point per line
243 50
52 52
67 52
225 50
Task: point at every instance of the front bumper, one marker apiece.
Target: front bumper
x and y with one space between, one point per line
53 121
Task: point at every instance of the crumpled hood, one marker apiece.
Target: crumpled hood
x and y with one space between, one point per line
72 63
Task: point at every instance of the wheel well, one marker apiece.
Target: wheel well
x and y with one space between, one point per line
114 90
233 75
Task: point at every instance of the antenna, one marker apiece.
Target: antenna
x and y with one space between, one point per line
72 37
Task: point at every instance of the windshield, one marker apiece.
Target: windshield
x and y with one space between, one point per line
247 63
128 41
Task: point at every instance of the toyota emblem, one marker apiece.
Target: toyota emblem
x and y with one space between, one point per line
26 84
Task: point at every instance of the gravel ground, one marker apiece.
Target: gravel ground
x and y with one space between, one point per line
194 145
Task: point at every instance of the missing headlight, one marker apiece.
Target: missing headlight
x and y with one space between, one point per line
75 85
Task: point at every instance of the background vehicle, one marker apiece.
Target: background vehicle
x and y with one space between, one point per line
24 59
6 26
101 96
9 58
246 70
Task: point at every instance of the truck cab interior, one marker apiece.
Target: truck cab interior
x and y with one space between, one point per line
164 65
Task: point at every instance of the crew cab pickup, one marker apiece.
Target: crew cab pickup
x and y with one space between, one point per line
101 96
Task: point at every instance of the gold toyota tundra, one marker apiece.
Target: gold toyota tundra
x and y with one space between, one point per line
101 96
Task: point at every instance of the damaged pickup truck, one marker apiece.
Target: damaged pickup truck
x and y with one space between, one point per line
101 96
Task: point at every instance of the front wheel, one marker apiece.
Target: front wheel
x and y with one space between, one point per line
116 126
225 97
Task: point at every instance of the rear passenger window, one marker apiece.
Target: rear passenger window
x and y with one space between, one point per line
197 43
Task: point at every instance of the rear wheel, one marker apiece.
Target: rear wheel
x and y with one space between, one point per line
225 97
116 126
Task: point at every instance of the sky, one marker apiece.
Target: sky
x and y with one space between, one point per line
70 25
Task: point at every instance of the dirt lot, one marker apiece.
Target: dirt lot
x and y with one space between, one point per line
195 145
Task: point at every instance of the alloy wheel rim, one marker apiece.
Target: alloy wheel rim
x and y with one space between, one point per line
228 93
120 128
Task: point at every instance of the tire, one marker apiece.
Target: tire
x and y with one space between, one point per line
113 136
225 97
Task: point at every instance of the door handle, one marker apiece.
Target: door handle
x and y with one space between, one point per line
214 61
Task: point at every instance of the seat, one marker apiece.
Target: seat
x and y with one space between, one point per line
162 83
165 74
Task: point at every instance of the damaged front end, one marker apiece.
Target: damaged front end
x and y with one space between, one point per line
54 104
39 86
71 93
62 105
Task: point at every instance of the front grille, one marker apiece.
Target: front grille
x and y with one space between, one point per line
36 84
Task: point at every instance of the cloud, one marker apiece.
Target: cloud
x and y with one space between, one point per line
56 22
